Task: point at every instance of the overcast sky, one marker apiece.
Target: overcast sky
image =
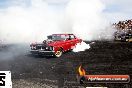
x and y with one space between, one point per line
114 9
118 9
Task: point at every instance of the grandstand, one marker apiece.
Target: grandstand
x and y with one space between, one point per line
124 30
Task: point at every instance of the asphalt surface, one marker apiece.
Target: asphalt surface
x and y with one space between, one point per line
30 71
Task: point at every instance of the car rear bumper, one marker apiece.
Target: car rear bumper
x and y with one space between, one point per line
42 52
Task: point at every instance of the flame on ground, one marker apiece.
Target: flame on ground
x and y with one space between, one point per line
81 71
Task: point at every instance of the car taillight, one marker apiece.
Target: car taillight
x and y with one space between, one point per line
80 40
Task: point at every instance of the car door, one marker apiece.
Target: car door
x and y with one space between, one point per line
72 41
68 43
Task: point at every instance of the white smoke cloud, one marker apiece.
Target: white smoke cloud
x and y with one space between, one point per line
87 18
81 47
22 24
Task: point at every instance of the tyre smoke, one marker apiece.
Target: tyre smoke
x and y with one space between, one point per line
9 52
81 47
22 23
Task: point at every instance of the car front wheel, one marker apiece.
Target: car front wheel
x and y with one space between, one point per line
58 53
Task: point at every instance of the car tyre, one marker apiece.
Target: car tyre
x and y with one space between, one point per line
58 53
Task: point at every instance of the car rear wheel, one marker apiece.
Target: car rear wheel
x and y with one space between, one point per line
58 53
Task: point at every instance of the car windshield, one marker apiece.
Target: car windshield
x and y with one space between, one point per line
57 37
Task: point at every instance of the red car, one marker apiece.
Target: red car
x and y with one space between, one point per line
55 45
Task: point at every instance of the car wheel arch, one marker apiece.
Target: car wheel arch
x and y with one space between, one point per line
62 49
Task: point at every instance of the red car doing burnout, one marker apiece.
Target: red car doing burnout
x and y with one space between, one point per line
55 45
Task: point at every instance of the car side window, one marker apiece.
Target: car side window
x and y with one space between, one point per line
72 36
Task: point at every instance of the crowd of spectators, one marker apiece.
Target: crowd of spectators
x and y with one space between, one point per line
125 26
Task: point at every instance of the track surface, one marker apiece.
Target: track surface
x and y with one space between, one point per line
47 72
